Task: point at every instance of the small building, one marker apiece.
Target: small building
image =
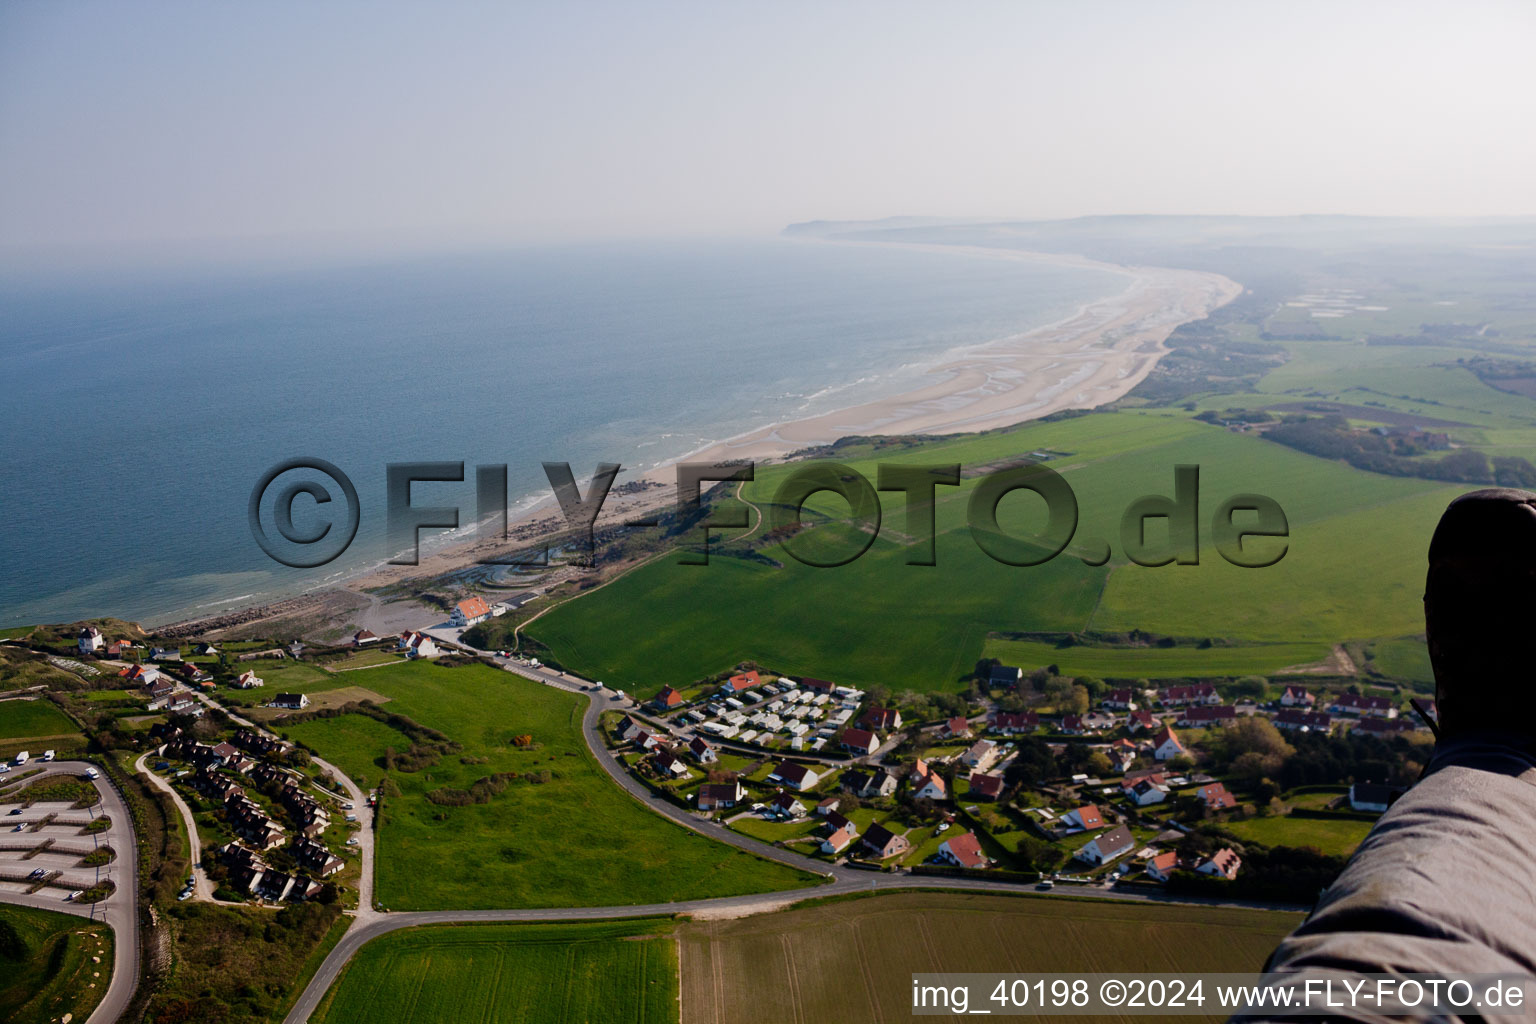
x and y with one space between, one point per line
364 637
165 654
829 806
416 644
877 783
738 683
702 750
928 784
956 728
838 841
1162 866
883 843
1215 797
798 777
986 787
963 851
89 640
470 612
720 795
1373 798
1204 716
1166 745
784 805
669 763
1004 676
1120 700
1085 818
1146 792
1224 863
1011 723
667 698
291 701
1295 719
817 685
1297 697
861 742
876 719
1359 704
248 680
1107 846
980 755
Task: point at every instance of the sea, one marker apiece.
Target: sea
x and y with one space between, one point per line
141 409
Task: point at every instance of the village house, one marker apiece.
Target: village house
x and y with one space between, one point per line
1381 726
1083 819
737 683
164 654
470 612
883 843
315 858
291 701
627 728
1011 723
1215 797
829 806
1004 676
702 750
1120 700
1297 697
142 675
1166 745
876 719
648 741
870 784
980 755
1203 716
1146 792
928 784
784 805
1302 721
860 742
121 648
248 680
720 795
1162 866
1224 863
1195 693
963 851
89 640
417 645
1372 798
1072 725
817 685
667 698
1359 704
984 786
192 674
796 776
1106 846
364 637
1136 721
958 727
669 763
838 841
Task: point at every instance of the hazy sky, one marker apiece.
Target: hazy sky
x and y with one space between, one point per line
123 123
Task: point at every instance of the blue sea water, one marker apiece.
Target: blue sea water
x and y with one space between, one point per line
139 412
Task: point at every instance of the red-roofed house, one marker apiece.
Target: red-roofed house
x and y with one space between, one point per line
796 776
1216 797
1297 696
1197 693
702 750
1139 720
470 612
987 787
1011 722
1358 704
1085 818
1295 718
1120 700
963 851
1202 716
667 698
838 841
928 784
860 741
957 727
1163 866
1224 862
737 683
881 718
1166 745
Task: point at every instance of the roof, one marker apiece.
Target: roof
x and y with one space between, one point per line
958 724
840 838
879 836
879 718
819 685
1165 734
1090 816
923 776
1116 840
785 800
789 771
1226 861
1216 796
1164 862
720 791
669 697
286 698
743 681
861 738
1015 719
474 608
966 849
1296 716
986 785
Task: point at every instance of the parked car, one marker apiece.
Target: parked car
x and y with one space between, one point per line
942 827
92 773
184 896
15 810
1047 884
47 755
18 828
75 895
38 872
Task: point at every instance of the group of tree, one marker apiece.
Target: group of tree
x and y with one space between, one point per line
1331 437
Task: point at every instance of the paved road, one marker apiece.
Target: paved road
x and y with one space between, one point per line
120 910
202 888
842 880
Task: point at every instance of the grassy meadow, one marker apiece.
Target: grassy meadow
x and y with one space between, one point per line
573 839
51 965
607 972
25 719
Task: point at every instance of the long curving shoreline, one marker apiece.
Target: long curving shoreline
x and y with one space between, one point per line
1085 360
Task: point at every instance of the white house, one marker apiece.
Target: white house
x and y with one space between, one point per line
1106 846
838 841
1147 792
249 680
963 851
702 750
1223 863
90 640
928 784
721 794
796 776
292 701
1371 797
980 755
1086 817
1163 866
1166 745
1297 696
417 645
470 612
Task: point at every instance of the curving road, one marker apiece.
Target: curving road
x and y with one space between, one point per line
120 910
842 880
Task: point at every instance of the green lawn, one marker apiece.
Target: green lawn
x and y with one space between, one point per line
1154 662
23 719
619 972
51 965
1407 658
1332 836
285 676
878 620
574 840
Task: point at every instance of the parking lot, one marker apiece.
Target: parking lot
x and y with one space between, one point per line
51 838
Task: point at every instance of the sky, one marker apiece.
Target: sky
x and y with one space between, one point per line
131 128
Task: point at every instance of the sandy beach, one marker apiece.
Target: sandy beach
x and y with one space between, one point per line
1088 359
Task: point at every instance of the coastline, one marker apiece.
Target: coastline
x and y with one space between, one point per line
1089 358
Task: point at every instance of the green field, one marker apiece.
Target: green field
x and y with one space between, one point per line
576 839
51 965
1152 662
1330 835
852 960
24 719
1347 573
620 972
1402 659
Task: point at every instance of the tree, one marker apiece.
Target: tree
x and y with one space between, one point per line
1250 686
